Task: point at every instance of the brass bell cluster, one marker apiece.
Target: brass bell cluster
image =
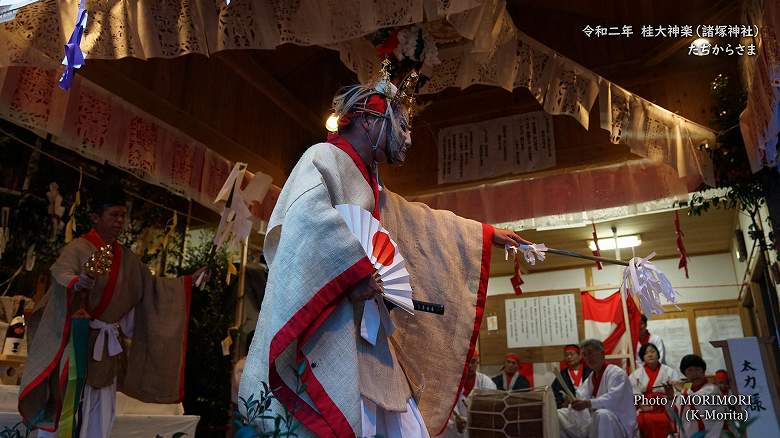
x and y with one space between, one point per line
99 262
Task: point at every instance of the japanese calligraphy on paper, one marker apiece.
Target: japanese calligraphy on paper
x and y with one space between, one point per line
509 145
716 328
541 321
676 333
750 379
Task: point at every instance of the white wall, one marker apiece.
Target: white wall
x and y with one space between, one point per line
712 278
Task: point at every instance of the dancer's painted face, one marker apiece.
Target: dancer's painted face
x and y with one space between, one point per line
399 138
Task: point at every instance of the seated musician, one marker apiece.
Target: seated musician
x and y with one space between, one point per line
648 380
573 376
604 407
694 368
456 426
510 378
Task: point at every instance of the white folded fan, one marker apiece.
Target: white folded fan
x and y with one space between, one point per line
390 266
383 253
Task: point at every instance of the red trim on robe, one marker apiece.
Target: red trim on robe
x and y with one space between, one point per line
699 421
597 376
342 143
330 422
187 280
93 237
576 377
116 262
50 368
510 379
652 375
309 332
469 385
484 275
329 409
299 408
63 383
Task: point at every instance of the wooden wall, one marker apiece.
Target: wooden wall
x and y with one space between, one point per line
493 345
692 311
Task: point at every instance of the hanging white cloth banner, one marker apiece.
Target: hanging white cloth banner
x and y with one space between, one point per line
503 146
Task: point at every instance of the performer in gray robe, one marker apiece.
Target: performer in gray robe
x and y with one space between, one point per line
319 276
126 304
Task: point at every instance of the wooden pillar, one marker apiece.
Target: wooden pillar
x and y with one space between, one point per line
239 316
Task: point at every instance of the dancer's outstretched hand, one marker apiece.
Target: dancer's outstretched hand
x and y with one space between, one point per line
503 237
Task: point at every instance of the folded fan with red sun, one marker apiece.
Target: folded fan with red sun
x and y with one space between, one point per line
383 253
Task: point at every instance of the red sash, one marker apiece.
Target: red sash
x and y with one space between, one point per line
469 385
597 375
652 375
699 422
94 238
576 376
342 143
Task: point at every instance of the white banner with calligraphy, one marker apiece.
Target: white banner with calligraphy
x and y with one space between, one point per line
102 127
507 145
530 321
750 379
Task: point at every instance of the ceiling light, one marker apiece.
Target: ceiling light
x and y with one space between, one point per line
608 243
332 124
700 47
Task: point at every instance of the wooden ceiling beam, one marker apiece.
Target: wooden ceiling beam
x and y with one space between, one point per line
247 68
110 77
518 8
706 235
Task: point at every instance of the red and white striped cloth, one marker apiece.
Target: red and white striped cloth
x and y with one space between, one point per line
604 321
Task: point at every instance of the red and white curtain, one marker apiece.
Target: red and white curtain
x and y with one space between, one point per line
604 320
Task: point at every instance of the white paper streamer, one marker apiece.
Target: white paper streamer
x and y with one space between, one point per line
531 253
641 278
236 220
648 284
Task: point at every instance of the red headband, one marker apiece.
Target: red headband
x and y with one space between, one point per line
573 348
512 356
721 375
375 102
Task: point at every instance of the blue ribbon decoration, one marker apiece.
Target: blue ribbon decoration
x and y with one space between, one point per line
74 57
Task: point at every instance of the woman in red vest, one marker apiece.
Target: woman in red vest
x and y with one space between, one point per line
647 380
